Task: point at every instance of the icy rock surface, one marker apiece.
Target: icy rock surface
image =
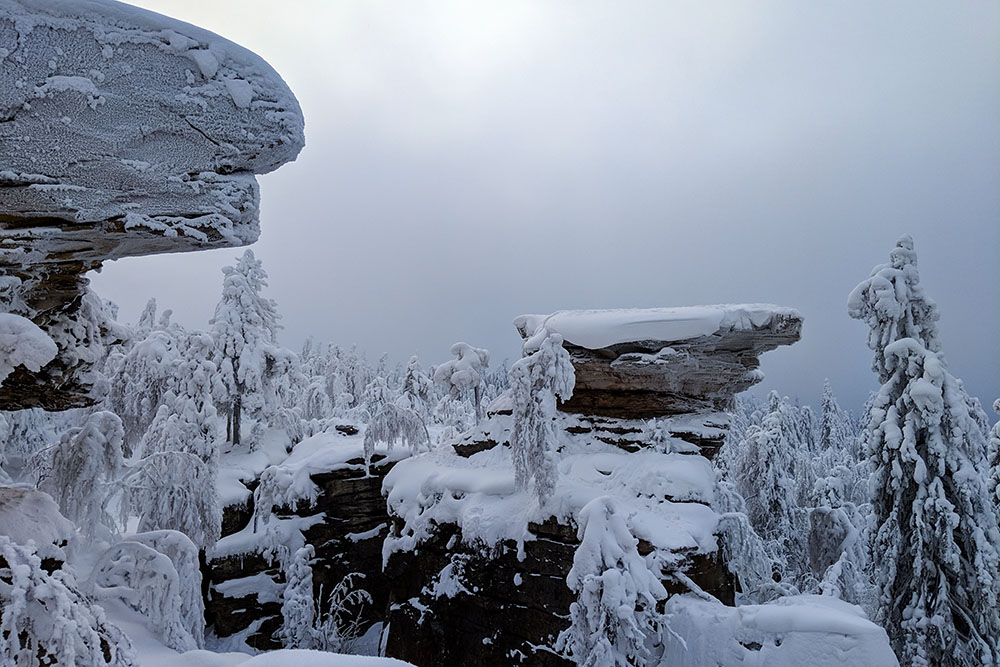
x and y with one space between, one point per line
652 362
122 133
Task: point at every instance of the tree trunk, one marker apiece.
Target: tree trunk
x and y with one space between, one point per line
237 409
478 399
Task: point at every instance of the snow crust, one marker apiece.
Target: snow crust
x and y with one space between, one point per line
813 630
596 329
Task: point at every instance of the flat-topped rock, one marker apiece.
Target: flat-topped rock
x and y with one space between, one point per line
640 363
122 133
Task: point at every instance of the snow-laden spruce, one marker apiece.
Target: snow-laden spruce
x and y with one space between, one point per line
416 391
935 538
329 624
893 305
615 614
139 381
763 472
536 380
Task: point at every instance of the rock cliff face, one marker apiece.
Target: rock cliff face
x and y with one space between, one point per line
343 517
478 569
122 133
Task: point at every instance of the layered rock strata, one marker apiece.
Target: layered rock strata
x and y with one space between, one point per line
122 133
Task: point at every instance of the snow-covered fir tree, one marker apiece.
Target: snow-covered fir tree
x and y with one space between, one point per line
245 324
298 610
47 620
536 381
935 528
394 423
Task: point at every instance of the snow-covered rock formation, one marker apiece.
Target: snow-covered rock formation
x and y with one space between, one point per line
481 569
122 133
640 363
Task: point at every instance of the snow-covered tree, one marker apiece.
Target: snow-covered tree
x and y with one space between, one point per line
245 324
893 305
140 381
763 471
831 425
464 372
746 555
617 592
327 624
415 392
536 380
47 620
148 581
175 491
935 532
298 609
993 459
83 465
147 319
376 395
174 485
394 423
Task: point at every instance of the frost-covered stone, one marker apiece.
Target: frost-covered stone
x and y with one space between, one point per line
122 133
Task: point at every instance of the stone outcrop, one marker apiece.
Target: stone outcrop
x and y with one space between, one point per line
459 595
654 377
122 133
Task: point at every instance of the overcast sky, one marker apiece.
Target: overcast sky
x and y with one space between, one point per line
466 162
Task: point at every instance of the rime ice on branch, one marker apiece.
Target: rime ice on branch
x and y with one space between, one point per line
124 133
